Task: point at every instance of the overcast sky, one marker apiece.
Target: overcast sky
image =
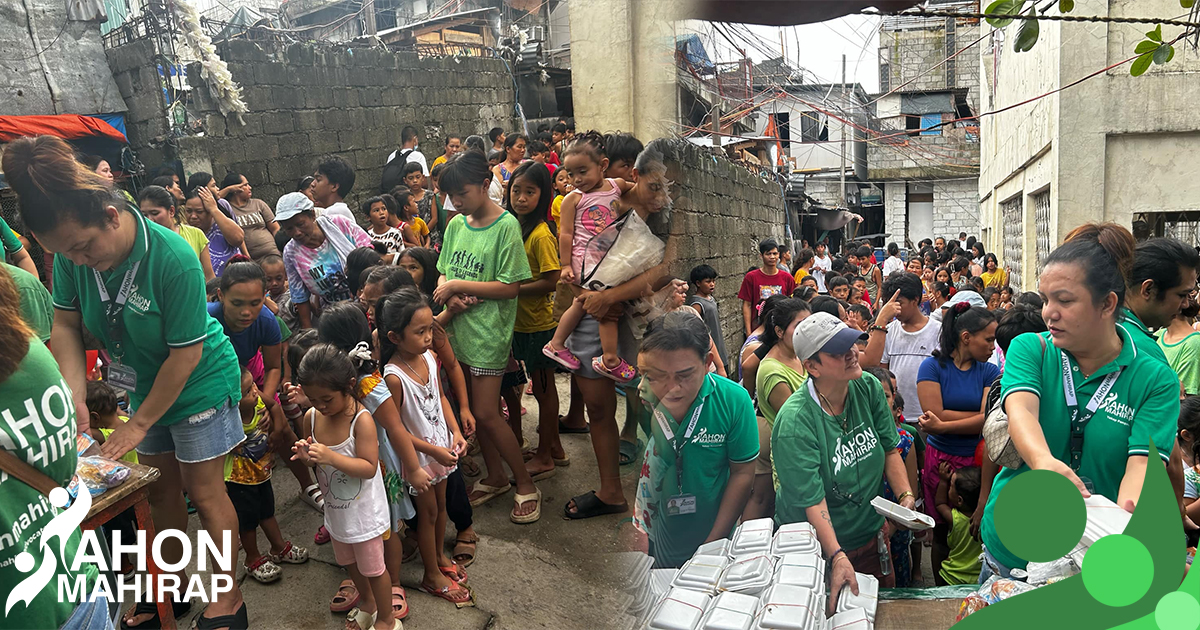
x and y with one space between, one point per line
815 47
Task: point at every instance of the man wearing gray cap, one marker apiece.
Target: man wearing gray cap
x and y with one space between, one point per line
832 442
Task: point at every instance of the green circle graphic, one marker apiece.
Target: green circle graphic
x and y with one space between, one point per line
1177 611
1118 570
1039 516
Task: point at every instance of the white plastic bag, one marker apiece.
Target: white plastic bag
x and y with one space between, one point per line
624 250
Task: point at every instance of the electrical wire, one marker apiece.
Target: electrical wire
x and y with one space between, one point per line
48 46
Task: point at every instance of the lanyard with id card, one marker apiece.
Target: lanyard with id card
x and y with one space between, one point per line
119 375
1078 421
682 503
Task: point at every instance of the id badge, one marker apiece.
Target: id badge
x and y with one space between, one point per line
122 377
681 504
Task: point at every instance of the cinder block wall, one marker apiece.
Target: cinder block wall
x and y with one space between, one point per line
308 100
721 212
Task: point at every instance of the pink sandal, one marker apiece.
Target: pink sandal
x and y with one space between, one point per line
322 536
623 373
562 357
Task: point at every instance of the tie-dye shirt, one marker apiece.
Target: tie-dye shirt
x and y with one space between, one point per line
322 271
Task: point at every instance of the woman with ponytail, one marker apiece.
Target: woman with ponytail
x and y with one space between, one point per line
1085 351
138 287
952 386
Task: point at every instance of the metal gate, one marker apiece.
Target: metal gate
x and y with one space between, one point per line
1041 219
1014 235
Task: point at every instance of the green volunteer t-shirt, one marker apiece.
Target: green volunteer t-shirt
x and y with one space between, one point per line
8 239
482 335
725 432
37 424
814 457
36 306
1143 405
1184 357
772 372
1142 337
165 309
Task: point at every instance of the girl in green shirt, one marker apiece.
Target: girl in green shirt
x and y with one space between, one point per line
483 257
779 375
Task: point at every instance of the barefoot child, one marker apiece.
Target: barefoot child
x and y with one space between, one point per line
586 212
341 443
248 482
411 373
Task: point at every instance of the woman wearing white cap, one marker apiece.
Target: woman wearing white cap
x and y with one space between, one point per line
833 441
315 258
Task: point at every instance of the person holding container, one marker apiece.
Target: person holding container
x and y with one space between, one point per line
1082 400
138 287
833 441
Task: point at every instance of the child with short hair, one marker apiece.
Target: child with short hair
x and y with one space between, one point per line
105 415
248 482
586 212
760 284
416 231
562 188
540 153
957 497
901 540
377 213
703 279
339 440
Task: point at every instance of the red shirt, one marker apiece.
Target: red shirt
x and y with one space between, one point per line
758 286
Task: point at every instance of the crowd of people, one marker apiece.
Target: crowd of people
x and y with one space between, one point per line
373 354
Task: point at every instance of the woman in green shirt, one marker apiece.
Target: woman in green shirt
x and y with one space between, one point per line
832 443
1088 355
138 287
779 374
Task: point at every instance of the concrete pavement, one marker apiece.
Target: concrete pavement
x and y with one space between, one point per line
554 574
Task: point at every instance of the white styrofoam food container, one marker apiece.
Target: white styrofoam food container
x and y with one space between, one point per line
752 537
911 519
681 609
714 548
853 619
748 574
1103 518
795 538
730 611
790 608
803 570
701 573
867 598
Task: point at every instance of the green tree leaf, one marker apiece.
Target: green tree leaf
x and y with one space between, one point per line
1187 4
1163 54
1141 64
1145 46
1028 35
1066 6
1156 34
1007 7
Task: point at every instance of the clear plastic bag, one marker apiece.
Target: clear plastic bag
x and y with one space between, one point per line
620 253
97 474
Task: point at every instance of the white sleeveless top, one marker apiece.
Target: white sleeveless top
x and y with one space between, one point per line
422 414
356 510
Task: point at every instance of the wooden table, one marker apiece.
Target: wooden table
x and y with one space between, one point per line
135 493
916 614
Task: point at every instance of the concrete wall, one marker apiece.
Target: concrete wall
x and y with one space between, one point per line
138 84
74 79
1104 149
911 54
307 101
623 65
720 214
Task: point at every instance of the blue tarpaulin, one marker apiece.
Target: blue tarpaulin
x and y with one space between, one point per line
116 120
693 51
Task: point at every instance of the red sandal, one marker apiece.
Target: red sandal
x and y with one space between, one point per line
460 596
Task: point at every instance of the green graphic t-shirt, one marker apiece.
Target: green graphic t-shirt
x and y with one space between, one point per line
815 457
1143 404
166 309
482 335
36 306
37 424
725 432
1184 357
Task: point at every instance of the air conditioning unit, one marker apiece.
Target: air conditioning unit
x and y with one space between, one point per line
537 33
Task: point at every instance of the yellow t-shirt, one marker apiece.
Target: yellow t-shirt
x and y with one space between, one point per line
250 463
418 226
800 274
131 456
194 237
441 159
535 313
998 278
556 209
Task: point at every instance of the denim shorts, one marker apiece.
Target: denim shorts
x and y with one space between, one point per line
90 615
199 438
